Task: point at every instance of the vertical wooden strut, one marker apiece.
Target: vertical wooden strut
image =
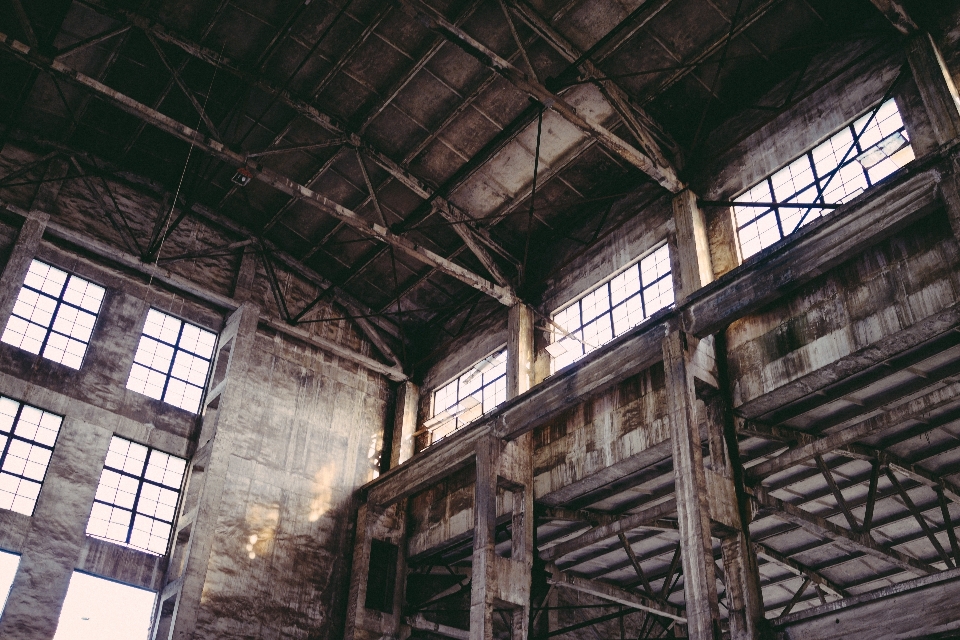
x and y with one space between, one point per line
699 572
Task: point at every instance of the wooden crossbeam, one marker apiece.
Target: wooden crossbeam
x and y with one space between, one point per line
266 175
614 594
664 174
824 528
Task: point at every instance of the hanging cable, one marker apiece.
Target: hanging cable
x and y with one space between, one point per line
533 196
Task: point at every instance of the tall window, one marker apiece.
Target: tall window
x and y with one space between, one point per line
137 496
54 314
27 436
833 172
172 361
612 309
464 399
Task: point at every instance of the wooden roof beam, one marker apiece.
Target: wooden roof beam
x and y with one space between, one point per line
264 174
614 594
664 174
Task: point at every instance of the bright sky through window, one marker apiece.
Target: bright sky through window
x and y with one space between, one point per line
475 392
835 171
8 570
54 315
137 496
99 609
172 361
27 436
612 309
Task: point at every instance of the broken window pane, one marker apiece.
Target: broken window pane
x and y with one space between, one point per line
836 171
136 500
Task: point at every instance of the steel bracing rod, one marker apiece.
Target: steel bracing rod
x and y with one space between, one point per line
837 494
267 176
91 41
643 128
664 174
187 92
27 168
301 107
120 226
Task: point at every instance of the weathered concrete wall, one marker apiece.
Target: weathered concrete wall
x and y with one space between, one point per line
881 291
311 432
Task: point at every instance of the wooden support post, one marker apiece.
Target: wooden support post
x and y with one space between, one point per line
497 581
181 600
378 576
25 248
699 572
937 90
696 268
519 350
404 423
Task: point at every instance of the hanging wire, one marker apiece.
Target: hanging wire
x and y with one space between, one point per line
533 195
176 195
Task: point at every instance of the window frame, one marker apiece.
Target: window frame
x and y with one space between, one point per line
12 435
168 375
821 184
59 302
431 428
559 333
141 479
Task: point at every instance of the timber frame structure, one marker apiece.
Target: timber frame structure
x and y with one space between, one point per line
366 198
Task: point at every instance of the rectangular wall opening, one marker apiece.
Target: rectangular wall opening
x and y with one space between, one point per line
104 609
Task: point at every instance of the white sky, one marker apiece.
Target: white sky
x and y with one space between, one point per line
8 569
98 609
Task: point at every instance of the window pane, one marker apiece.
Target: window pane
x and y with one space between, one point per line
105 610
8 570
137 496
50 317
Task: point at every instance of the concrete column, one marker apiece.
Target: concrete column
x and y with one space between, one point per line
28 239
180 599
693 247
56 536
246 274
520 352
404 423
937 90
386 525
500 582
699 571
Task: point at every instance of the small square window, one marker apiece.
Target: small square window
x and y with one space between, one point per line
54 315
137 497
172 361
27 437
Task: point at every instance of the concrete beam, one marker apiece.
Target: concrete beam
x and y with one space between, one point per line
813 250
268 176
894 11
663 174
935 83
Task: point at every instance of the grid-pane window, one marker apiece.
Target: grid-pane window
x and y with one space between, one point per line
835 171
54 314
612 308
27 436
172 361
137 496
472 394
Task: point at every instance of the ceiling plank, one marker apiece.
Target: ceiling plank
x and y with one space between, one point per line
824 528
